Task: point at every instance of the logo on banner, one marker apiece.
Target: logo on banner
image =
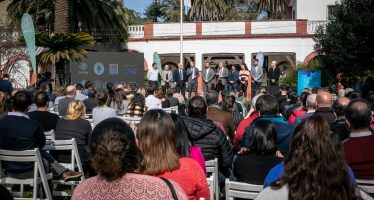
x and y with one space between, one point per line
113 69
99 68
83 68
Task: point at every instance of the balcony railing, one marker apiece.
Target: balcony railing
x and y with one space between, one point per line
247 28
313 26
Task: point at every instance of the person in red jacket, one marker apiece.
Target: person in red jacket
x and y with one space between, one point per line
299 111
359 147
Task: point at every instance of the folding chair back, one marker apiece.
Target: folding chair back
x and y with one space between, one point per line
174 109
50 135
168 110
241 190
212 167
366 185
27 156
66 145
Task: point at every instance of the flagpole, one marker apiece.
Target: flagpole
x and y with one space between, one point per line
181 33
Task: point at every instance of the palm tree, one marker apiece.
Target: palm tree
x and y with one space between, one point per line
208 10
171 10
104 16
61 48
275 8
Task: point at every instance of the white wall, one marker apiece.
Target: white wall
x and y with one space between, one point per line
173 29
272 27
313 9
301 46
223 28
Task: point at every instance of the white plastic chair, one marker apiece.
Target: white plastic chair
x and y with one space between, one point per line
174 109
167 110
211 186
241 190
366 185
50 135
63 145
39 174
212 167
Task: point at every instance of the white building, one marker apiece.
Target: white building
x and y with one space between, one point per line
288 41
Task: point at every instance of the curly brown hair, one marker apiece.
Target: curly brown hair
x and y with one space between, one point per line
113 149
314 169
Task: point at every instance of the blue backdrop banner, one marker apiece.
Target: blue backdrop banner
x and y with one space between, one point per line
308 79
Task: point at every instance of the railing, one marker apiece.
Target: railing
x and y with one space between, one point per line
313 26
136 31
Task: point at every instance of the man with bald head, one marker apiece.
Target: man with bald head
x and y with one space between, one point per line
324 104
359 147
339 108
64 102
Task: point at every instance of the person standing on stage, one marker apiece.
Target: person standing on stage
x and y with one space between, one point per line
274 73
192 74
222 77
152 76
179 77
243 78
233 78
208 77
166 79
257 74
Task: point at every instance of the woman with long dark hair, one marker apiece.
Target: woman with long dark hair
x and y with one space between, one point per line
228 105
243 77
184 145
116 159
156 136
313 169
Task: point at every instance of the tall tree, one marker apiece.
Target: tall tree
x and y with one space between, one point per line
61 23
348 41
105 16
208 10
154 11
274 8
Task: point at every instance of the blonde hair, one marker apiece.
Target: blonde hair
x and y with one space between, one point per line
75 110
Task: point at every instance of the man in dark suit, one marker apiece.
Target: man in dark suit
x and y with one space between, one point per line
64 102
18 133
192 75
214 113
180 77
91 102
208 78
274 73
6 85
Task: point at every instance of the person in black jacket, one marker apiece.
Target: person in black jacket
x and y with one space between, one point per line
180 79
205 134
274 73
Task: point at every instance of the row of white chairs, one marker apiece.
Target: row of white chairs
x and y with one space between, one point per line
40 175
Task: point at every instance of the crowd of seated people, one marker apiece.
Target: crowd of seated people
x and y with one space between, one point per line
308 146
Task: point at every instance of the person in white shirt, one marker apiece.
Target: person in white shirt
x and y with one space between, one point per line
152 102
152 76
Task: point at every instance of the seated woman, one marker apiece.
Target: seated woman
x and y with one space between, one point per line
184 145
313 169
136 107
116 158
120 102
73 125
156 139
102 111
253 166
228 105
165 103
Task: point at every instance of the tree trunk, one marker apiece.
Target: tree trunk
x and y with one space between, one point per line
61 16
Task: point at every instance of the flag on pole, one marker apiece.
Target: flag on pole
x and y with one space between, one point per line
27 26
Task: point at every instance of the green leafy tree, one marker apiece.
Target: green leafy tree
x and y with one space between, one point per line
348 41
133 17
154 11
62 48
107 17
208 10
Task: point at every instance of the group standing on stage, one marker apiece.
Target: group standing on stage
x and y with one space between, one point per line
223 78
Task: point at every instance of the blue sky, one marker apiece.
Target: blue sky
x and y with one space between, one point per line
137 5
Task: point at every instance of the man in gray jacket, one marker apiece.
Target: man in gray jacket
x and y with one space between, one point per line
166 79
223 73
192 75
208 77
257 75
